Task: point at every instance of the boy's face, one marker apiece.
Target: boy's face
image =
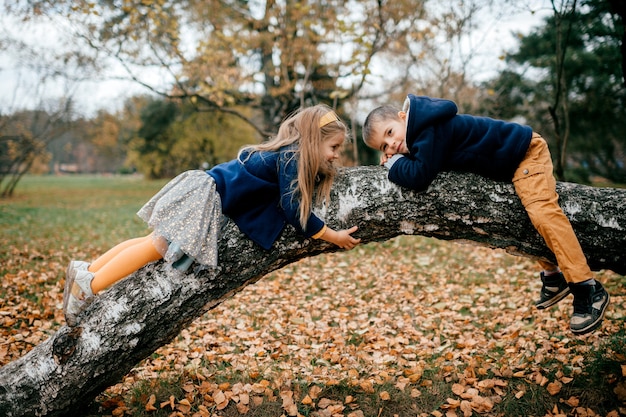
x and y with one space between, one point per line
390 136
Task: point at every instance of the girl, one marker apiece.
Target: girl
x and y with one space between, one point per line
265 187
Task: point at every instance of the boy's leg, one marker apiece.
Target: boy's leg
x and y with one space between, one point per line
535 184
548 266
554 286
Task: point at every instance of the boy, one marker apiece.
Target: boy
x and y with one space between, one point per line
428 136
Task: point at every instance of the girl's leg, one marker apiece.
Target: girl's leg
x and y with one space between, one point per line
111 253
126 261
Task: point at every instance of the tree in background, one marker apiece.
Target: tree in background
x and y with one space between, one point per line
154 139
217 55
258 61
104 133
566 81
23 139
222 56
28 133
618 8
272 57
172 137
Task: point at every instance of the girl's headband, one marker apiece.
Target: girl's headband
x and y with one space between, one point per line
328 118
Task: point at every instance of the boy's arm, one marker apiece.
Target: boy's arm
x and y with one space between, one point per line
410 173
417 170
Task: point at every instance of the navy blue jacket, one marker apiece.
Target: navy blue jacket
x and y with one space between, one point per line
439 139
257 193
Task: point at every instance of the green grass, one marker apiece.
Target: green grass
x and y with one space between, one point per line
77 214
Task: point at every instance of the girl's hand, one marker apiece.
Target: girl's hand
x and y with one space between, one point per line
342 238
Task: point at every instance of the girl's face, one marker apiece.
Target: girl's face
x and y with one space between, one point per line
331 148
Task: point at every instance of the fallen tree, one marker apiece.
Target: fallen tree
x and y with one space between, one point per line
63 375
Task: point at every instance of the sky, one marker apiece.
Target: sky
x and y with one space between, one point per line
18 69
22 67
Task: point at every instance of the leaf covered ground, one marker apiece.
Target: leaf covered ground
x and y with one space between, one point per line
408 327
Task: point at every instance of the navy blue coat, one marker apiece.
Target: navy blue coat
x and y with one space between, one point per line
257 193
439 139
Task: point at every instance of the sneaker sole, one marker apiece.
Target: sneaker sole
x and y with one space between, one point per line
596 323
552 301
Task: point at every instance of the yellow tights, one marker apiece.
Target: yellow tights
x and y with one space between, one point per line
122 260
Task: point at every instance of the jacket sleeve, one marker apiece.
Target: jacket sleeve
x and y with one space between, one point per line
289 200
418 169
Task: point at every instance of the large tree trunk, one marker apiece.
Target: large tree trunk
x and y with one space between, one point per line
126 324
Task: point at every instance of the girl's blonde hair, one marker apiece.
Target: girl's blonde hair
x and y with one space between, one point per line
308 128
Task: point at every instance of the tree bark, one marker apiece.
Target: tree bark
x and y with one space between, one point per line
127 323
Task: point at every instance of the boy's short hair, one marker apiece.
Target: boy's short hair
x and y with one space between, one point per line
376 116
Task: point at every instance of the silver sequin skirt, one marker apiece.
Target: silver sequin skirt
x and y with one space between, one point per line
186 217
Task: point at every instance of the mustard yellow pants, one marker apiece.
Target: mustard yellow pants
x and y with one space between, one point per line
536 186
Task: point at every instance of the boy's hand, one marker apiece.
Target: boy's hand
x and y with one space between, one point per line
391 159
383 158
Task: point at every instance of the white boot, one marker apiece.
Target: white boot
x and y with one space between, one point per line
69 278
80 295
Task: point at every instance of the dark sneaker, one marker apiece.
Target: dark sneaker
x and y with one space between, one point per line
590 303
554 289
